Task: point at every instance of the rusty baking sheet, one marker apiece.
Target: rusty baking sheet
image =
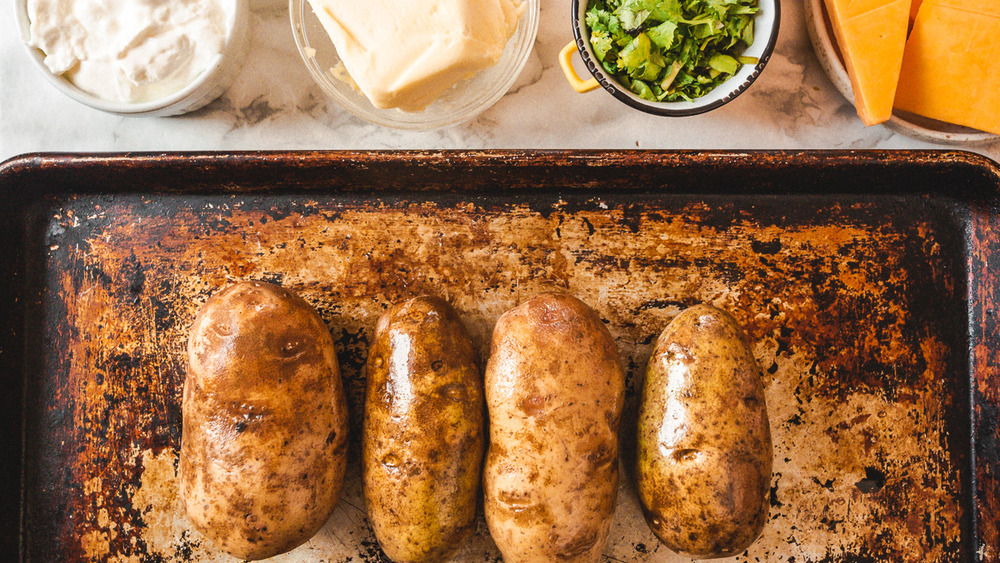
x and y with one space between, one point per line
868 283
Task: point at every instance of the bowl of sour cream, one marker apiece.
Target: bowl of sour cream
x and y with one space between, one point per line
146 57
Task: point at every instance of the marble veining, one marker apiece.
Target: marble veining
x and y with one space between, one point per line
274 104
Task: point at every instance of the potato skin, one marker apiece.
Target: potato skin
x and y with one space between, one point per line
554 391
265 422
704 448
422 447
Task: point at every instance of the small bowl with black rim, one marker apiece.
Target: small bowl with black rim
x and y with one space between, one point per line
766 23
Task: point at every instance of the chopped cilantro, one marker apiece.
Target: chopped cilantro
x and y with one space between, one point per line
671 50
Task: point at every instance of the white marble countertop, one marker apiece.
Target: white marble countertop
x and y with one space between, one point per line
274 105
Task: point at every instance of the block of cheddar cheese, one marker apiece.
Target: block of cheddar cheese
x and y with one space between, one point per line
914 8
871 35
951 66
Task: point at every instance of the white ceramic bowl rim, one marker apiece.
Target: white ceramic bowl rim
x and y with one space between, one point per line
767 22
240 10
519 47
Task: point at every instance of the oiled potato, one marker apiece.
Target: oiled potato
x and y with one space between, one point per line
554 390
704 448
265 422
422 449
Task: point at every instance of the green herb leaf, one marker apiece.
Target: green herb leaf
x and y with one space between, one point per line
635 54
642 90
650 70
601 42
632 13
663 35
724 63
667 11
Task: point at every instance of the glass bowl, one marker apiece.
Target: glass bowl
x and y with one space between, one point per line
464 101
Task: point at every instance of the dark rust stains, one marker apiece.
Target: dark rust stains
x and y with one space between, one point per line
873 482
984 263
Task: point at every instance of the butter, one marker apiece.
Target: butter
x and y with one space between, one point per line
406 53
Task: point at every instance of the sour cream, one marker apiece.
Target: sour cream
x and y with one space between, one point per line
129 50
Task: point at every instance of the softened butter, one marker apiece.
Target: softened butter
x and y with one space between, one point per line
406 53
129 51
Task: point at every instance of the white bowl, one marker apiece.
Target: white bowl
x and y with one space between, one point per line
911 125
767 23
207 86
464 101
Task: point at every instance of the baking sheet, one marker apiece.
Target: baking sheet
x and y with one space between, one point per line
853 275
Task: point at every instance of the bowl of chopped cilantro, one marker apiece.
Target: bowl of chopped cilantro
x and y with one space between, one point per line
672 57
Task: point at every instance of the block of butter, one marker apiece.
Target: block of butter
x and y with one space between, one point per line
406 53
951 67
871 35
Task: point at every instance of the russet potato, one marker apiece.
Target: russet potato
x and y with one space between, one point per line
422 448
554 391
704 446
264 422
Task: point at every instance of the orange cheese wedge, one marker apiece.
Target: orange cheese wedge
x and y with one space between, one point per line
951 67
871 35
914 8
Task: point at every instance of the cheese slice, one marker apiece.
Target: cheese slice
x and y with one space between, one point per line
871 35
914 8
982 7
951 68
